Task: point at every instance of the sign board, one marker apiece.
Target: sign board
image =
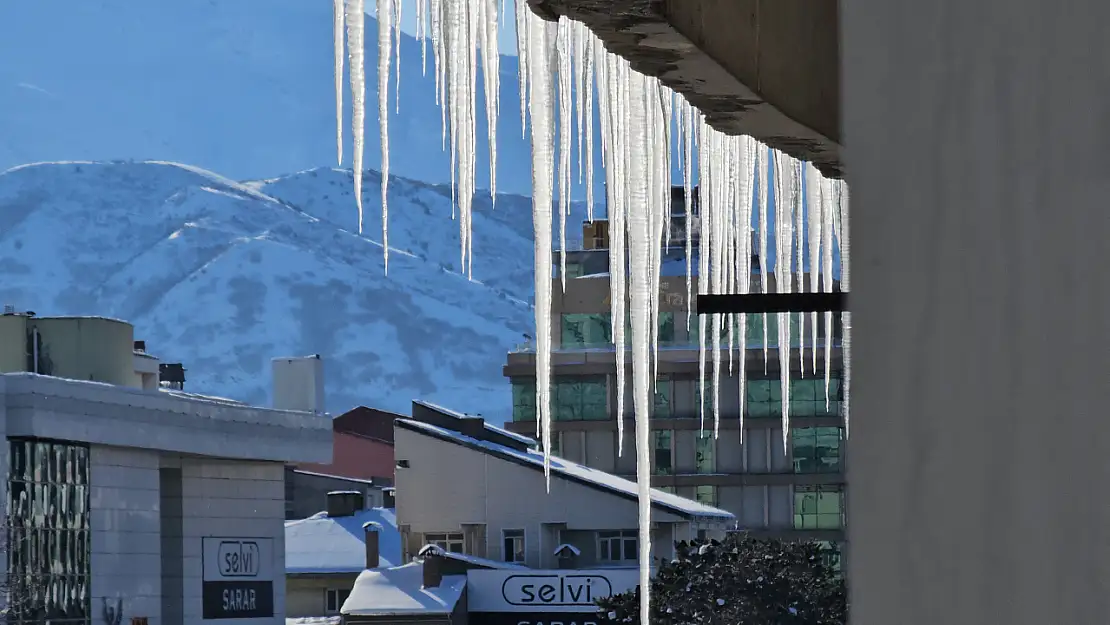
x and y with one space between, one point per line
238 577
552 597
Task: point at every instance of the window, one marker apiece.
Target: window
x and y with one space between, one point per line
662 462
48 534
334 598
580 398
705 459
818 507
447 541
524 400
663 393
831 554
574 270
617 546
666 489
666 328
807 398
816 450
512 545
706 495
586 330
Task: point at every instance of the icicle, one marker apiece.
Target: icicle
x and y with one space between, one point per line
338 16
491 74
640 242
439 51
356 22
660 152
589 113
385 14
714 185
743 227
783 238
704 240
813 232
422 34
540 110
761 173
687 191
617 256
827 273
564 61
523 23
799 270
578 44
397 34
846 317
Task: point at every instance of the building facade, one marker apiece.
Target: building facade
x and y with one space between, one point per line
471 488
129 499
791 490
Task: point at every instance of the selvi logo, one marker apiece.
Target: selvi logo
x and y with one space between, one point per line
238 558
555 589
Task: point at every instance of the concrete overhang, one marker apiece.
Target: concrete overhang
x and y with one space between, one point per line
765 68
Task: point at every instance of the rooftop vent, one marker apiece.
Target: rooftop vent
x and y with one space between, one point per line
140 346
172 374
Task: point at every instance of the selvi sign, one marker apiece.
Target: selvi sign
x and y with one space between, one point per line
560 597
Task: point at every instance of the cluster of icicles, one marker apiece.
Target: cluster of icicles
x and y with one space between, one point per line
561 64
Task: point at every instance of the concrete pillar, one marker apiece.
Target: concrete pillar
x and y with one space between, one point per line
976 137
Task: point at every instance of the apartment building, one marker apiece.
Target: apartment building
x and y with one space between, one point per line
791 490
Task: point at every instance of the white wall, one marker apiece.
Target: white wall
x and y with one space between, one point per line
125 547
231 499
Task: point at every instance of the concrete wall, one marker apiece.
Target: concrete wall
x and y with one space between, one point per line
432 498
87 348
138 547
305 596
977 151
13 343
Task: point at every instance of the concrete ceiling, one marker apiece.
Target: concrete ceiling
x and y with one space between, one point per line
765 68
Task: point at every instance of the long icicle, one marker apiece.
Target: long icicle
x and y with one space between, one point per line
781 168
385 15
339 51
565 121
846 316
743 225
640 242
827 273
356 23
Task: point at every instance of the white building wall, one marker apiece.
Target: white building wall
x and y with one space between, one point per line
125 543
227 498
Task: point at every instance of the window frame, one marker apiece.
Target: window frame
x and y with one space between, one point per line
656 435
524 399
570 394
624 537
448 539
713 491
813 441
335 593
505 538
709 443
816 516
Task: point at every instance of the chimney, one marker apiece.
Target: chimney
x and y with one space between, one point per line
140 346
299 383
433 569
173 374
373 545
343 503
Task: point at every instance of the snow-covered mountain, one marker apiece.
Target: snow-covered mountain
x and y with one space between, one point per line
222 276
242 87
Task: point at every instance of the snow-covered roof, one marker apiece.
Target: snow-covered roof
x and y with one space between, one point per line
400 591
572 471
520 438
321 544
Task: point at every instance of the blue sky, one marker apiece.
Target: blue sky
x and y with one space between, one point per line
507 31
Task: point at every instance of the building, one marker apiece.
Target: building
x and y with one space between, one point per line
325 552
796 492
363 446
306 492
469 487
130 497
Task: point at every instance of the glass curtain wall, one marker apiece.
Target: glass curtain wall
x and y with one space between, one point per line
48 533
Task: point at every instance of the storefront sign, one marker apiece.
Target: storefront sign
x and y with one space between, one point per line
238 577
563 597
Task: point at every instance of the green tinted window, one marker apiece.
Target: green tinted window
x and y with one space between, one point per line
816 450
664 389
704 454
580 398
662 463
818 507
586 330
524 400
706 495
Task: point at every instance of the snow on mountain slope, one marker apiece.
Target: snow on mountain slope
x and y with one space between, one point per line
222 276
243 87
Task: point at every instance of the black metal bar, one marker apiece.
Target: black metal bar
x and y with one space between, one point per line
756 303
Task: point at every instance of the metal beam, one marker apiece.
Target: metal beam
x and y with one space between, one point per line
756 303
